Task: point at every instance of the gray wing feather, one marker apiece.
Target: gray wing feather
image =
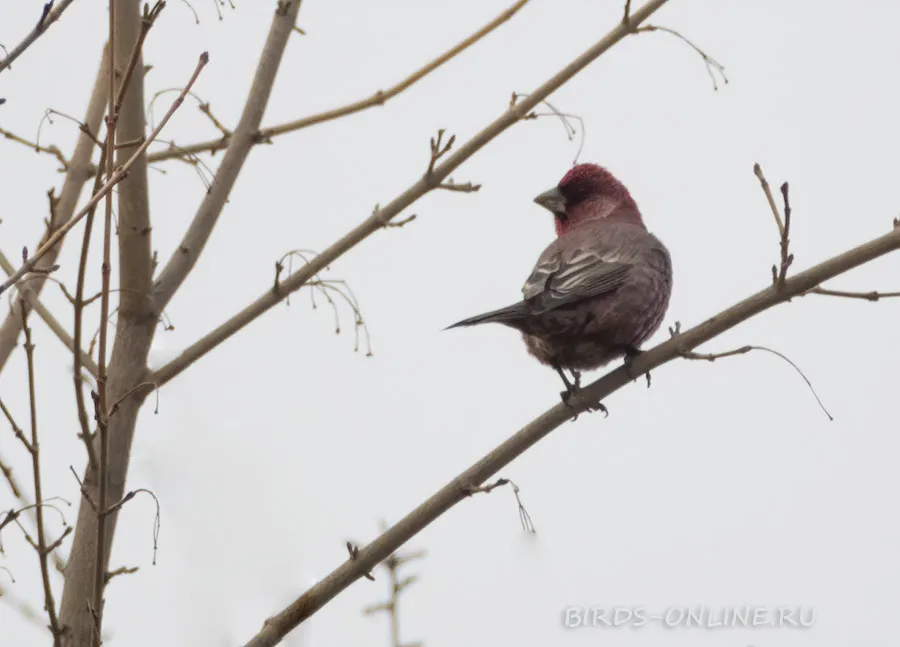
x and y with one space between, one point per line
559 281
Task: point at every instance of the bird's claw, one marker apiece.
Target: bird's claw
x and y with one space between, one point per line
630 353
599 406
566 396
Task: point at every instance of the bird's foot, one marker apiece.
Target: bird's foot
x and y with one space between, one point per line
599 406
631 352
571 387
566 396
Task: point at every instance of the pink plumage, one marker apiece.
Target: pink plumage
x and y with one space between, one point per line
598 291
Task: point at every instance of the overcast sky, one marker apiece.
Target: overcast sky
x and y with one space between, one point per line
722 485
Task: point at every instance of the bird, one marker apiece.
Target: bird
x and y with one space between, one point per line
598 291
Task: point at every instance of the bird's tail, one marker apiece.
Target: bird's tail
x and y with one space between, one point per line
509 316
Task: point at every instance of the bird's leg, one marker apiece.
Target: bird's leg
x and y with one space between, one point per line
630 353
577 375
570 388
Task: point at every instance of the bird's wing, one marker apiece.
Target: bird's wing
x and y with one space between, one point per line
562 279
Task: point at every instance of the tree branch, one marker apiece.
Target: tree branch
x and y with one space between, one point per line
378 99
191 246
127 367
275 628
135 254
382 217
48 17
35 449
49 150
78 173
120 173
100 399
49 319
868 296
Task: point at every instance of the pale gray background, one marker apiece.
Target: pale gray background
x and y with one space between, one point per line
723 484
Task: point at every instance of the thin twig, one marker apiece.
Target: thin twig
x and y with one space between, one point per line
130 392
867 296
205 109
377 99
524 517
43 550
49 150
14 485
76 176
51 321
17 430
78 313
712 65
786 257
100 405
117 176
46 19
48 117
242 141
711 357
122 570
563 117
757 170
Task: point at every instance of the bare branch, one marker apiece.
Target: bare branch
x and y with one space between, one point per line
353 550
78 311
49 319
366 558
194 240
100 405
77 610
757 170
711 357
868 296
43 549
50 150
712 65
563 117
786 257
524 517
377 99
450 185
380 217
122 570
17 431
206 110
49 15
82 126
77 175
14 485
117 176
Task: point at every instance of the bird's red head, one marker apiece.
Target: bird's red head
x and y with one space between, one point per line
587 192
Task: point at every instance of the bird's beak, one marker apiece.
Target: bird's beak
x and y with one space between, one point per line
553 200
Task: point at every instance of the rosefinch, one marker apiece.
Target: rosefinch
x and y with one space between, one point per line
600 289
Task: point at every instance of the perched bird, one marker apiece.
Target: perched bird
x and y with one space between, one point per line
600 289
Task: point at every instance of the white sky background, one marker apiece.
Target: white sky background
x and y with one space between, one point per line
721 485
